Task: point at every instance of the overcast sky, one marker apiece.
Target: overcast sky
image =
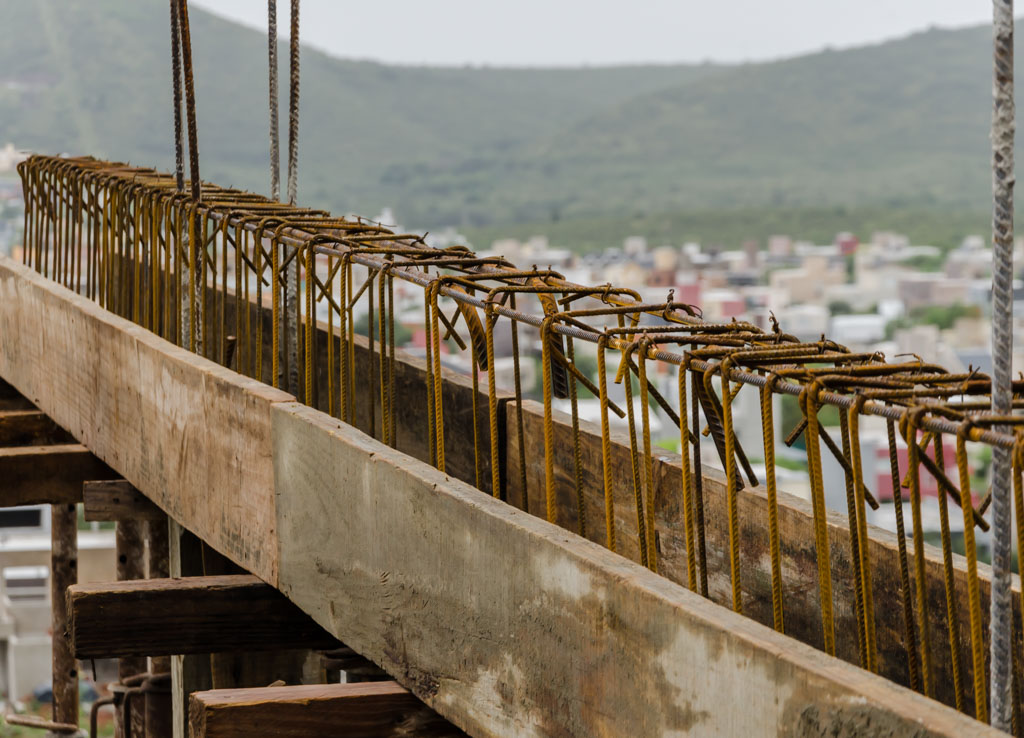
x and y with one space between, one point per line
575 32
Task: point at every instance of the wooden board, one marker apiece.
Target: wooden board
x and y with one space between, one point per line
117 500
366 710
30 428
175 425
800 579
158 617
33 475
507 625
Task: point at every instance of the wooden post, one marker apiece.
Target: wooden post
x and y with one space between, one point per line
159 714
130 565
251 669
63 573
188 673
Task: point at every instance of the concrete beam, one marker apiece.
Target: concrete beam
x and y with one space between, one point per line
503 623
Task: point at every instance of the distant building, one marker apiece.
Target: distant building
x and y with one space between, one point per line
780 246
10 157
25 592
857 330
806 322
847 243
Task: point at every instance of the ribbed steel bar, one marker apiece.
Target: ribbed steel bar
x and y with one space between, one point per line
147 245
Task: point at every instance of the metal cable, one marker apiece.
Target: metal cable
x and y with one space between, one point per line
293 106
291 290
1002 349
179 154
190 99
275 136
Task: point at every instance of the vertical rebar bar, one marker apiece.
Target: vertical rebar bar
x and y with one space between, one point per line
1002 353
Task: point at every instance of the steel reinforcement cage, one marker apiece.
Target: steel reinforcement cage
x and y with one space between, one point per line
129 239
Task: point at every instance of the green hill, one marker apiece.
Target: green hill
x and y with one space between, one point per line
95 77
900 125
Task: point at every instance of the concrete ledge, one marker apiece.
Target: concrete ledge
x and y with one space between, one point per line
510 626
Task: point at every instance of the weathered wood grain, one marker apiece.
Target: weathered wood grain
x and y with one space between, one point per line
118 500
33 475
173 424
30 428
156 617
509 626
365 710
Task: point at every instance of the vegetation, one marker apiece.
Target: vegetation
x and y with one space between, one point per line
719 227
402 334
891 136
943 316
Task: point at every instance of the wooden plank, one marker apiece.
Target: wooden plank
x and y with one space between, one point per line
30 428
155 617
173 424
798 557
119 501
33 475
366 710
509 626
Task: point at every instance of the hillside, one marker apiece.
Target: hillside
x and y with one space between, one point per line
95 77
901 124
897 125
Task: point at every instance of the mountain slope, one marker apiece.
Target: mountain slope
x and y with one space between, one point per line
900 124
95 77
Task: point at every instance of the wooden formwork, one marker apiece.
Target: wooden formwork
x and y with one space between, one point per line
502 622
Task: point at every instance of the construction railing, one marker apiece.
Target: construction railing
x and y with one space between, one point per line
129 239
